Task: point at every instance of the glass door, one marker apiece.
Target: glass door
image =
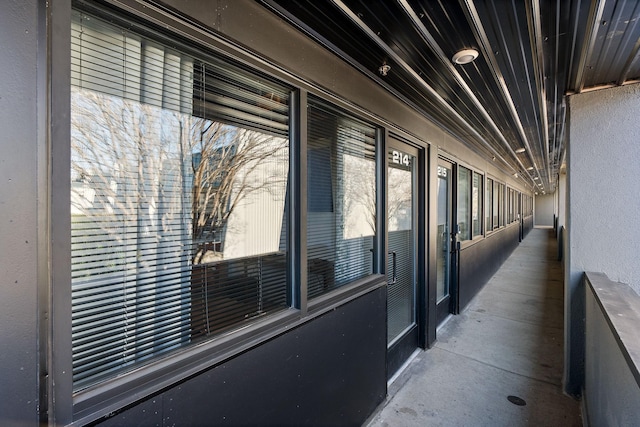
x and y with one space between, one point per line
445 245
402 237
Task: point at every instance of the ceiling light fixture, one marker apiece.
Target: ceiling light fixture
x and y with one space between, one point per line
464 56
530 168
384 69
521 150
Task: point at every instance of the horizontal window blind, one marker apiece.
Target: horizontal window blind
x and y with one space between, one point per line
476 204
464 203
341 198
401 229
179 169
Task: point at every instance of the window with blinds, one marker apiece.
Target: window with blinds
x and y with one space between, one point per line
476 204
341 198
488 205
464 203
179 169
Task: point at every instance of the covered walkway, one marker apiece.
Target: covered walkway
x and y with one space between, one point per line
499 363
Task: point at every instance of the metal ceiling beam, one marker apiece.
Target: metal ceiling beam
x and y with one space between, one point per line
535 38
636 48
444 59
627 66
556 92
595 16
398 60
487 52
293 20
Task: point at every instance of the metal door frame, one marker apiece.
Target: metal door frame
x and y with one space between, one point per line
449 304
401 349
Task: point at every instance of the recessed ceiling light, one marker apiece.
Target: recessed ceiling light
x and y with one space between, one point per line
530 168
464 56
535 177
521 150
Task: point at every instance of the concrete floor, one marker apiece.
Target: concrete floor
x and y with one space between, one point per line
508 342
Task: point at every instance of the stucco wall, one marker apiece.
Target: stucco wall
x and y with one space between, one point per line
543 210
18 212
603 161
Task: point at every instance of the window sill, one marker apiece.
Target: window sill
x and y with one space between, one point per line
344 294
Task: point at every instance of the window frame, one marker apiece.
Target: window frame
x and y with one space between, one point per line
488 202
468 199
63 405
481 205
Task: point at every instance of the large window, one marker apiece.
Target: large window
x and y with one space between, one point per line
495 205
499 206
179 170
341 222
476 204
464 203
488 208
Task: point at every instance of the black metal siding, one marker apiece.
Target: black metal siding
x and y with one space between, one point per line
480 261
329 371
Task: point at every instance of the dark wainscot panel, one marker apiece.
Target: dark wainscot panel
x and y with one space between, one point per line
480 261
328 371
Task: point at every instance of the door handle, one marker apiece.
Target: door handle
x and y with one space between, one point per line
394 277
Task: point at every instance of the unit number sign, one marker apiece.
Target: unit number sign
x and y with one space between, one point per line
400 158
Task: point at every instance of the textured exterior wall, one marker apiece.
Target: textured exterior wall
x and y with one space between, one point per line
18 212
543 211
604 162
603 169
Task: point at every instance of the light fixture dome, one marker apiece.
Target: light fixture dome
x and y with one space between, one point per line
465 56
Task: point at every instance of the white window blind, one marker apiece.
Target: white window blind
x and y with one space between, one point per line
179 169
341 198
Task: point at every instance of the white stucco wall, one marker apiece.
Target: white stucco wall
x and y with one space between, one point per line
604 194
603 205
543 210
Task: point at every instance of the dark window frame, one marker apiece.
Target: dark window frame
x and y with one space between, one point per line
88 405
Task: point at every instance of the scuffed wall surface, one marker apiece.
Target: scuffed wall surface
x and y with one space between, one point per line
18 213
604 162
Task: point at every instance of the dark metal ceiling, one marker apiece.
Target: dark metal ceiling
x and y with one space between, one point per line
532 53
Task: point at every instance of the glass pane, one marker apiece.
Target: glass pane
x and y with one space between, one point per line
401 234
464 203
341 221
488 200
179 172
476 204
501 207
496 204
443 245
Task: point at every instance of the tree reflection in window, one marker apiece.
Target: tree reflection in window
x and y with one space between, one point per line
179 172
